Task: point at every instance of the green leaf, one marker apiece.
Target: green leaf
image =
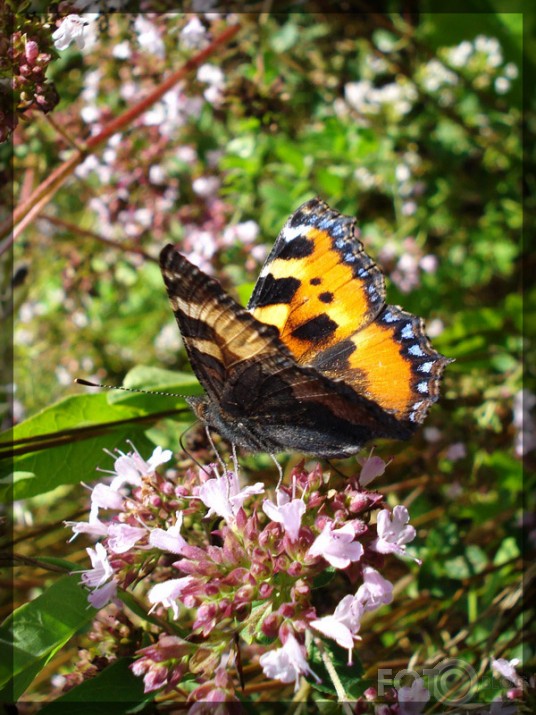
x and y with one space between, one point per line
116 689
36 630
49 456
349 675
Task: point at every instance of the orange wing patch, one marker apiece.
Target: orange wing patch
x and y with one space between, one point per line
390 362
318 286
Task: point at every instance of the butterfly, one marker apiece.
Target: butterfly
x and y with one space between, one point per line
317 363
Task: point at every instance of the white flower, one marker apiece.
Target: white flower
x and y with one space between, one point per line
337 546
245 232
402 172
122 537
194 35
393 532
287 512
507 669
206 186
130 468
375 591
122 50
71 29
149 37
459 55
371 467
343 625
169 539
100 577
502 85
210 74
167 593
287 663
224 497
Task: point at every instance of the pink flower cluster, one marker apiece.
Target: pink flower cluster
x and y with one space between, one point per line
24 59
248 571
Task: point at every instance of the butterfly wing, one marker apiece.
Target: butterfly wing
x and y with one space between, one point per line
217 332
326 297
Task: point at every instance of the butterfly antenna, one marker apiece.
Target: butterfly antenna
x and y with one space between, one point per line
87 383
190 455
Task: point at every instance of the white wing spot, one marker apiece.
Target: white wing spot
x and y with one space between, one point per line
407 333
416 350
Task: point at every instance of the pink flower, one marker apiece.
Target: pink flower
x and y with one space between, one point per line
168 592
287 512
337 546
507 669
413 698
122 537
169 539
103 595
375 591
343 624
371 467
101 571
130 468
104 497
224 497
287 663
393 532
100 577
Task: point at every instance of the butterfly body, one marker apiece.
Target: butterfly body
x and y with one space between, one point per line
317 363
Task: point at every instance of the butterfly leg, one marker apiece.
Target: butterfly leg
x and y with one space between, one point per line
218 457
235 459
279 469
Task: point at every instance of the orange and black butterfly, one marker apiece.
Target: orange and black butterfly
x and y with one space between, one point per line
317 363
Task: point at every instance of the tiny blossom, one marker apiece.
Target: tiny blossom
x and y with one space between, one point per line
130 468
502 85
459 55
100 577
371 467
456 452
429 263
168 593
287 512
169 539
507 669
245 232
287 663
71 30
104 497
149 37
393 531
224 497
375 591
413 698
210 74
343 625
337 546
193 35
206 186
523 421
122 537
122 50
435 327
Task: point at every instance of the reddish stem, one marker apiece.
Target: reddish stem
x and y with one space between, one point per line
44 192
